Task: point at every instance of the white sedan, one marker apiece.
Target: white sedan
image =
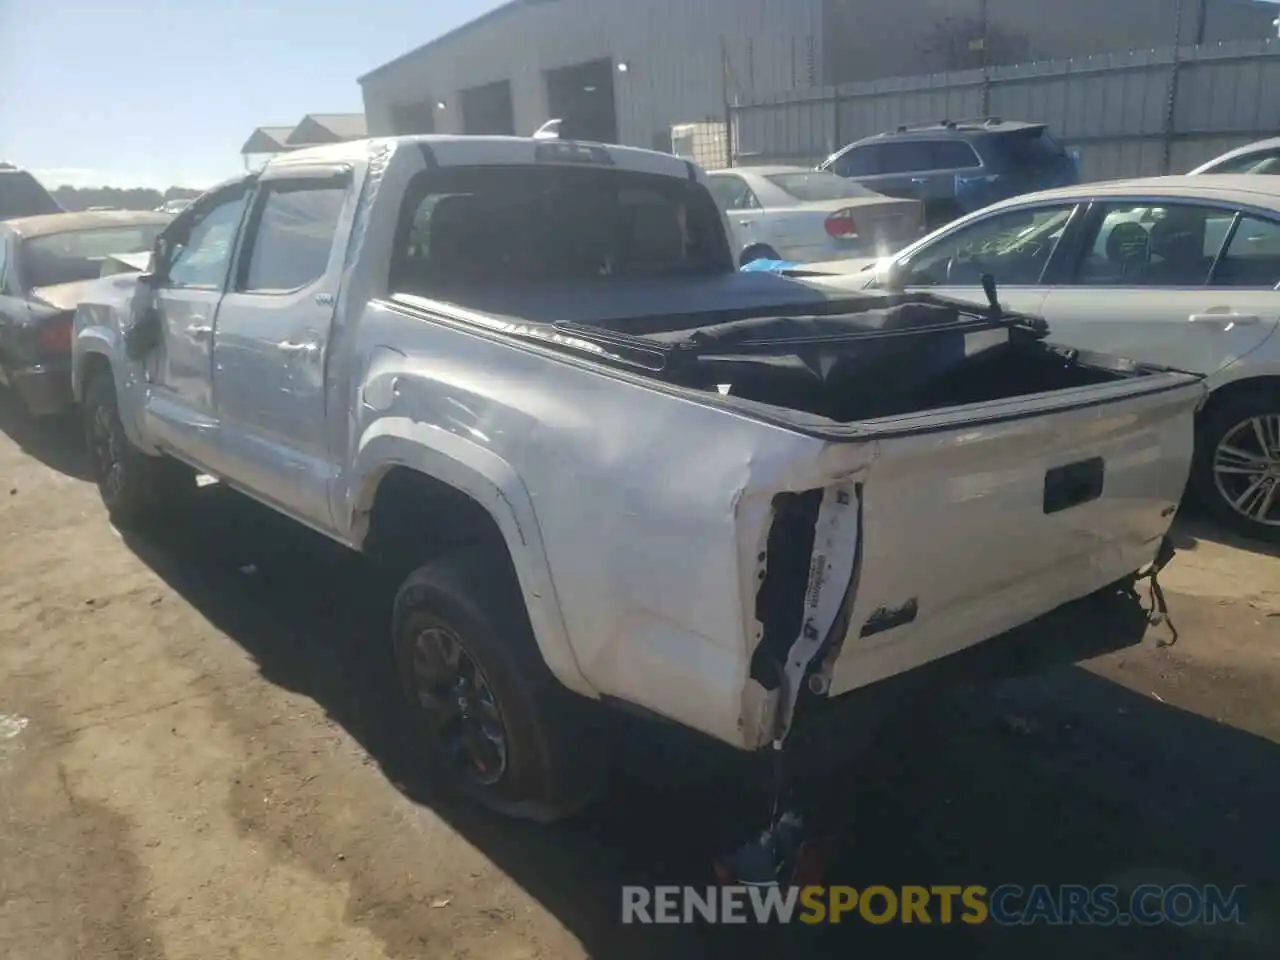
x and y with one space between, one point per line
799 215
1178 271
1262 156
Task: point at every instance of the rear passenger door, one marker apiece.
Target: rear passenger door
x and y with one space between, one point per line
738 202
272 340
1174 283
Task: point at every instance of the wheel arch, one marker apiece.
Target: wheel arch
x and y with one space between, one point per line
405 482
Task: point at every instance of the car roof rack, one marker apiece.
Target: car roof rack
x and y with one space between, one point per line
951 124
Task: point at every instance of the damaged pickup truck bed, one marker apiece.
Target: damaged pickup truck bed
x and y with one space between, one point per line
620 470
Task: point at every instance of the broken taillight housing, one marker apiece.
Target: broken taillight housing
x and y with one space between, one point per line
841 225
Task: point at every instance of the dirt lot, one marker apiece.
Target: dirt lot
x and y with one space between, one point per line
199 760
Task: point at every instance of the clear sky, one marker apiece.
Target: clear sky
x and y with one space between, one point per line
163 93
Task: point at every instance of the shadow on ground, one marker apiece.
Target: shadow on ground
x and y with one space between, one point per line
54 441
1057 776
1193 527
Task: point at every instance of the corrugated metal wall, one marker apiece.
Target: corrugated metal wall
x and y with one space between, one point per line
867 40
1123 112
672 48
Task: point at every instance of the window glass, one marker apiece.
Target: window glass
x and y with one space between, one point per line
294 237
817 185
203 260
953 155
907 156
1014 247
1164 246
79 255
859 162
4 252
1252 259
478 228
1028 149
732 193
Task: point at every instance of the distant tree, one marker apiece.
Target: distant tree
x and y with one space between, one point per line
118 198
961 43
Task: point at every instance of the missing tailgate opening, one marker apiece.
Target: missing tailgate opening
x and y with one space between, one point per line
780 600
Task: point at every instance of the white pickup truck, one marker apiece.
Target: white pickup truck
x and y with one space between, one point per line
609 467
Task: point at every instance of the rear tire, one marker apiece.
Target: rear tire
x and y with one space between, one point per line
134 487
1233 465
496 726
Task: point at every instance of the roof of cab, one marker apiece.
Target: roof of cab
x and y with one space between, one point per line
472 150
49 224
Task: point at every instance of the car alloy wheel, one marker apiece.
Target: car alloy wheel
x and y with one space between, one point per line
1246 469
461 711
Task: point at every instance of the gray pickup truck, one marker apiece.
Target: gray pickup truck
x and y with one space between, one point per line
526 376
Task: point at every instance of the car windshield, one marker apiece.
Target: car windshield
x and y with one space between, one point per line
816 186
79 254
22 196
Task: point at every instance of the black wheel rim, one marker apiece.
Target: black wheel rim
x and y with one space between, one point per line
106 447
1246 469
460 708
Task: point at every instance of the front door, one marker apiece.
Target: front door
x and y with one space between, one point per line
180 401
272 342
1176 284
1014 246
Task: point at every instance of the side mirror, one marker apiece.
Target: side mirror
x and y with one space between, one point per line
891 275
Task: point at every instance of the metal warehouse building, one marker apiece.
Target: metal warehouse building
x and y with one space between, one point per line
627 70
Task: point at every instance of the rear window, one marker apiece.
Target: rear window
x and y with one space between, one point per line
79 255
815 187
22 196
1031 147
476 227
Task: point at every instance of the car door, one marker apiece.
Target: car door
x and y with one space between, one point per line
1178 283
272 340
1016 246
199 249
742 209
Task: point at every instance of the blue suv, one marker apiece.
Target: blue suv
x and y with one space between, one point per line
957 166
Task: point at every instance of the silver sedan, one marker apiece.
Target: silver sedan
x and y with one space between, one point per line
802 215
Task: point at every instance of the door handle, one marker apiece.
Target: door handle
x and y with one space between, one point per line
199 331
919 179
1225 320
309 350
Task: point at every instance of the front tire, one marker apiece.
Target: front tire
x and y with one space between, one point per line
496 726
758 252
1236 477
134 487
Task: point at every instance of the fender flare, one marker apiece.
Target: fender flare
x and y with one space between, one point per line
492 483
104 341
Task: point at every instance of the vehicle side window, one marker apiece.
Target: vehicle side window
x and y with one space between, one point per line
953 155
202 261
1252 258
1014 247
732 193
4 269
908 156
1142 245
293 238
858 162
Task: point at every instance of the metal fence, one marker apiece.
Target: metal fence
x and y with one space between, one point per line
1134 114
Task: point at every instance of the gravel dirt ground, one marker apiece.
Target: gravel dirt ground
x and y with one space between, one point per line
200 759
